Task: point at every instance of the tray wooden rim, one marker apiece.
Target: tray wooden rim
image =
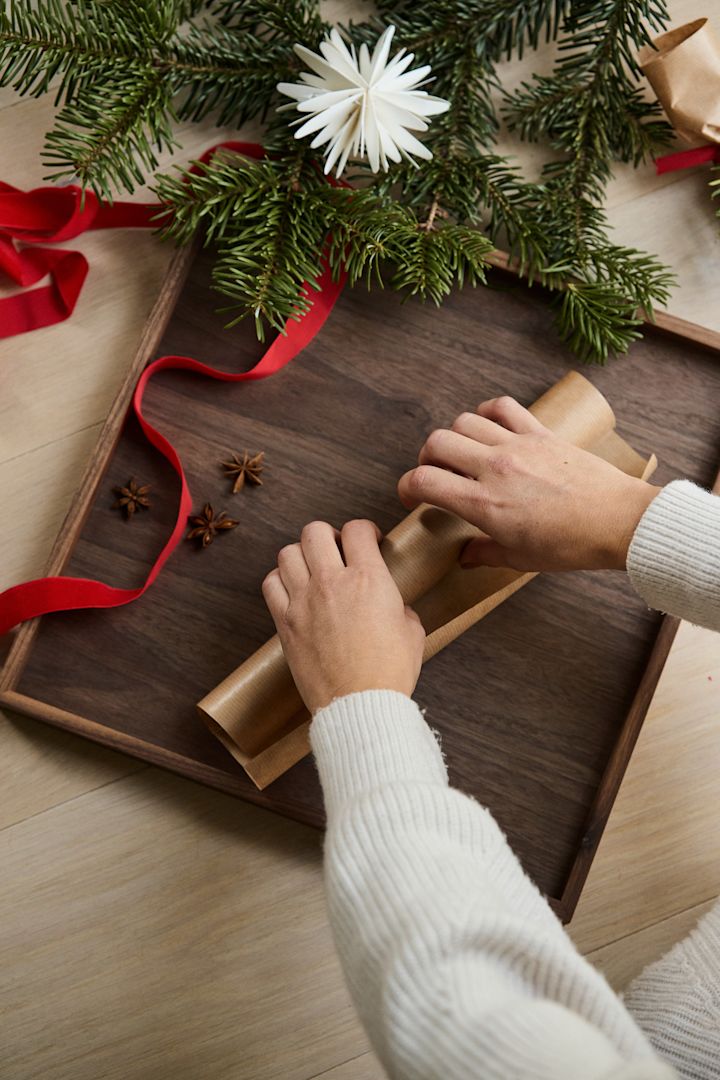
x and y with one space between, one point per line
79 509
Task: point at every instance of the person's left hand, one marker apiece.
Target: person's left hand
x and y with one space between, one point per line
340 617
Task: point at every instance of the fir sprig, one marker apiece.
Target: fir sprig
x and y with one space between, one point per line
123 71
274 220
591 109
126 70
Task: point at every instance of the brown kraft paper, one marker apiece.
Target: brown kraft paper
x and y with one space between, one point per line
683 68
257 713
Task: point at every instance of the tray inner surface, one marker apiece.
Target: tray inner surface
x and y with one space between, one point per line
530 701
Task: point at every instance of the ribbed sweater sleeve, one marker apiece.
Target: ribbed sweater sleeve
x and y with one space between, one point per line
674 556
457 966
674 563
677 1001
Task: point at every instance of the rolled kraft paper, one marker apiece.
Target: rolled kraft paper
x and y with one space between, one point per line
683 68
257 712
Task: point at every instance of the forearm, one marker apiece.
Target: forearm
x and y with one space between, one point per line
456 963
674 556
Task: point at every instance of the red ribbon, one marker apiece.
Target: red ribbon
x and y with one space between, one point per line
57 214
52 213
687 159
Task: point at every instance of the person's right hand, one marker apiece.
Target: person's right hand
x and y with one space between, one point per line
543 504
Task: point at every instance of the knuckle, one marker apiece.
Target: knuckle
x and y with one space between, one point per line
503 464
269 579
419 479
324 581
436 440
481 505
285 553
462 422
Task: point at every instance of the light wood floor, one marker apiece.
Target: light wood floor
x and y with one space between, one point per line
154 929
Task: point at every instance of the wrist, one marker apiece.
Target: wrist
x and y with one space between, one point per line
357 686
631 507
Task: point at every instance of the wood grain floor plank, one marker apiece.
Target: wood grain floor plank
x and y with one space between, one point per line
39 486
365 1067
661 850
159 929
621 961
42 767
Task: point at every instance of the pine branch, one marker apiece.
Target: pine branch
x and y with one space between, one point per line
273 220
234 69
596 322
432 261
266 259
210 197
363 231
276 21
207 197
127 69
502 26
461 41
480 189
53 39
108 138
591 109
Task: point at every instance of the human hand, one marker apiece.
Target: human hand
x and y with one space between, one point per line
543 504
340 617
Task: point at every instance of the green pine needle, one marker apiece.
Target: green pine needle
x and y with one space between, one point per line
124 71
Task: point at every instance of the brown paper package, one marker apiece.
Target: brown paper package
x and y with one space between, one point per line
683 68
257 713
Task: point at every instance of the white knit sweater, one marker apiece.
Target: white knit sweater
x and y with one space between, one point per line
457 965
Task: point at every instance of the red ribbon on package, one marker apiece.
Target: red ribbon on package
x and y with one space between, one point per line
58 214
687 159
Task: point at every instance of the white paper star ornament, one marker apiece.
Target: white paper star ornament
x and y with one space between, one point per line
361 104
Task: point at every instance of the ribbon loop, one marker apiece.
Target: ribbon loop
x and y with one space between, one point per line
46 213
58 214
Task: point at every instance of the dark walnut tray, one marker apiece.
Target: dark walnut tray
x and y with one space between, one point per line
539 705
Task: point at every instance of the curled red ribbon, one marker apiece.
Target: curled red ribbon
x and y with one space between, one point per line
57 214
51 215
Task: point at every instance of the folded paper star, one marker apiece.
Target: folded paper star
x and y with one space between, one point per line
361 104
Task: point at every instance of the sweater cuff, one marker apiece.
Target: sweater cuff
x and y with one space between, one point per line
365 740
674 557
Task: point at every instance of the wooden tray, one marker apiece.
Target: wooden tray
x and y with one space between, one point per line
539 705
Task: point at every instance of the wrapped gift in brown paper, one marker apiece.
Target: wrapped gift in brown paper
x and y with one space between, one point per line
683 68
257 712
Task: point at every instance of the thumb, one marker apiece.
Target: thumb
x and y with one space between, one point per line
484 552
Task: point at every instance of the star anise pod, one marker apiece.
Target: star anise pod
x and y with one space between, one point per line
207 525
132 497
244 468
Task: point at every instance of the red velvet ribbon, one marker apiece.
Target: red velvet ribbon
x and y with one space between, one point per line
51 214
57 214
687 159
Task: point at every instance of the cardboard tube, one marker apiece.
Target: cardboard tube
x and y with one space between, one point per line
257 713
